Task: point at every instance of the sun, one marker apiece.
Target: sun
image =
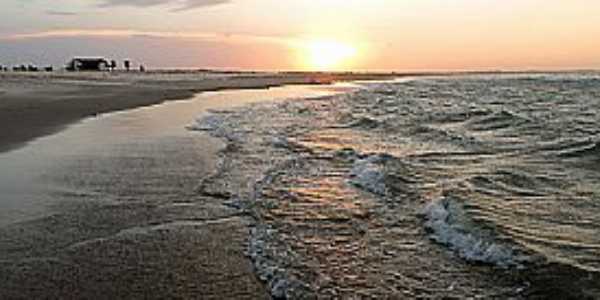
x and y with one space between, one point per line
327 55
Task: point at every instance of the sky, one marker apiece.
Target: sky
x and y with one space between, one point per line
357 35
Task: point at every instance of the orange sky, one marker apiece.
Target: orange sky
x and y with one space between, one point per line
276 34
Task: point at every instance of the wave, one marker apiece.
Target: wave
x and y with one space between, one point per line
448 224
368 174
590 149
365 123
461 116
496 121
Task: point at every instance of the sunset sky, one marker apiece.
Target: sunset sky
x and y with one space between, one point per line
397 35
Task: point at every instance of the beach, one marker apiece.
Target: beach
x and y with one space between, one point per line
232 149
37 104
459 186
113 206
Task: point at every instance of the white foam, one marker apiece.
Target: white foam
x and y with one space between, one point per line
270 263
207 123
443 219
368 174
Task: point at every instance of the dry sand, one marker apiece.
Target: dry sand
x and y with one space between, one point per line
37 104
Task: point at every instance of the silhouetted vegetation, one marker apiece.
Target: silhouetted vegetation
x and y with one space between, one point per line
76 64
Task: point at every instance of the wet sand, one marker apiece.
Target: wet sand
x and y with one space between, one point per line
113 207
36 104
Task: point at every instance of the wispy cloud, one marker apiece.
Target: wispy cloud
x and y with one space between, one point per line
178 5
60 13
112 33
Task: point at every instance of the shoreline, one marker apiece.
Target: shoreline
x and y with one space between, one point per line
33 105
119 212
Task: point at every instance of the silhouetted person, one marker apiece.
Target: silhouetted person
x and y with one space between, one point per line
127 65
142 68
113 65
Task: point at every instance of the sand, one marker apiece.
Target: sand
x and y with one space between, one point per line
36 104
114 207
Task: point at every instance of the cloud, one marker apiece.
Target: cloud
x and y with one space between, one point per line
60 13
237 38
179 5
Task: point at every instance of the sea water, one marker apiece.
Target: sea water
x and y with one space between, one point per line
460 186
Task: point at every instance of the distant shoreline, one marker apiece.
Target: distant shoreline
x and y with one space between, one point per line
35 104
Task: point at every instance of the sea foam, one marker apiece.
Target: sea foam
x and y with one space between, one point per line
369 175
447 222
208 123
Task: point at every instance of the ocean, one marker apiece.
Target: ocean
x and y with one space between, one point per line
482 186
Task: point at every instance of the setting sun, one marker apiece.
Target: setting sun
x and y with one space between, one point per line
328 55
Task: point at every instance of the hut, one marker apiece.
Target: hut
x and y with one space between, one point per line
88 64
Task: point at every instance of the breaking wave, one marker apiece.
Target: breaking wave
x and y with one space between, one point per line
448 224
